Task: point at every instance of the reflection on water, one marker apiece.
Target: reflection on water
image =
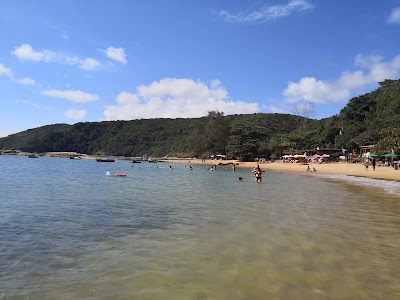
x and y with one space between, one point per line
68 231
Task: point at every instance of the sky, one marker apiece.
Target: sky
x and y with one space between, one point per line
70 61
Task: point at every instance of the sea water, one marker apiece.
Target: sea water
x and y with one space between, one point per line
69 231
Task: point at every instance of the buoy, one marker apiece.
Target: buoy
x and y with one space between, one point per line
120 175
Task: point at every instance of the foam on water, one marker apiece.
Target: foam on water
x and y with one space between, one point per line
391 187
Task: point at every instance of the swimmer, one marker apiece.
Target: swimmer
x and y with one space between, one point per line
258 176
257 173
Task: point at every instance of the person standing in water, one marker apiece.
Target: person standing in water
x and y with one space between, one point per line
257 173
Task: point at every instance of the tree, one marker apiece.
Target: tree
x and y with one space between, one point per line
390 141
216 132
247 141
304 110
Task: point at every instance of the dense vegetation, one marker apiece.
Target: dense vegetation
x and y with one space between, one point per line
373 118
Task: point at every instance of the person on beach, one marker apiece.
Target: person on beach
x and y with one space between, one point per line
373 163
366 165
308 169
233 168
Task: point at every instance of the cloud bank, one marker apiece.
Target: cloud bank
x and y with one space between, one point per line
176 98
266 13
372 69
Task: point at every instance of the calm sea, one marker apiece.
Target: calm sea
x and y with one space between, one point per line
69 231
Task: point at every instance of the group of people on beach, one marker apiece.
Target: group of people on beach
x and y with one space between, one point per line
309 169
370 162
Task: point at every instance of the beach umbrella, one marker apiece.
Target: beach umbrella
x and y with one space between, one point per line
390 155
374 155
325 155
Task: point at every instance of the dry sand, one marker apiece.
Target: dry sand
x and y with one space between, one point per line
387 173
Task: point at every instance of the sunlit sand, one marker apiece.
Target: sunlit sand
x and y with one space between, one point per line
351 169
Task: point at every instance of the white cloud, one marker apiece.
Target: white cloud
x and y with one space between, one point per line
90 64
26 81
8 72
74 96
176 98
30 103
394 16
276 110
372 70
117 54
5 71
75 114
266 13
26 52
20 101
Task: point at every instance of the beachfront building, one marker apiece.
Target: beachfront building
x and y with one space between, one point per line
365 152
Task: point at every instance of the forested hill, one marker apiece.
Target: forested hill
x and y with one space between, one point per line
373 118
155 137
370 119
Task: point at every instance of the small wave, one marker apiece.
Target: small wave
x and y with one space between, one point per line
391 187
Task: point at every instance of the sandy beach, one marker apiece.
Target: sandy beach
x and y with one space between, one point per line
358 169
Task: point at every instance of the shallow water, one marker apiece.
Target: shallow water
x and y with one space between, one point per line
68 231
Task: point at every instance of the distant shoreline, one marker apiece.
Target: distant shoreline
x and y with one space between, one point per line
349 169
340 168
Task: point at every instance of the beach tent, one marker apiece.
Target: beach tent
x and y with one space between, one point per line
325 155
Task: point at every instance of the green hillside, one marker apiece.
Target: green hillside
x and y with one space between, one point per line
373 118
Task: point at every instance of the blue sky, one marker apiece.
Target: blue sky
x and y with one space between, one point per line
69 61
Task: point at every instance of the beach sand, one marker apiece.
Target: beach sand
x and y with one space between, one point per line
358 169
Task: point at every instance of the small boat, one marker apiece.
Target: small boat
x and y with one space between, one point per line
105 159
134 161
33 156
